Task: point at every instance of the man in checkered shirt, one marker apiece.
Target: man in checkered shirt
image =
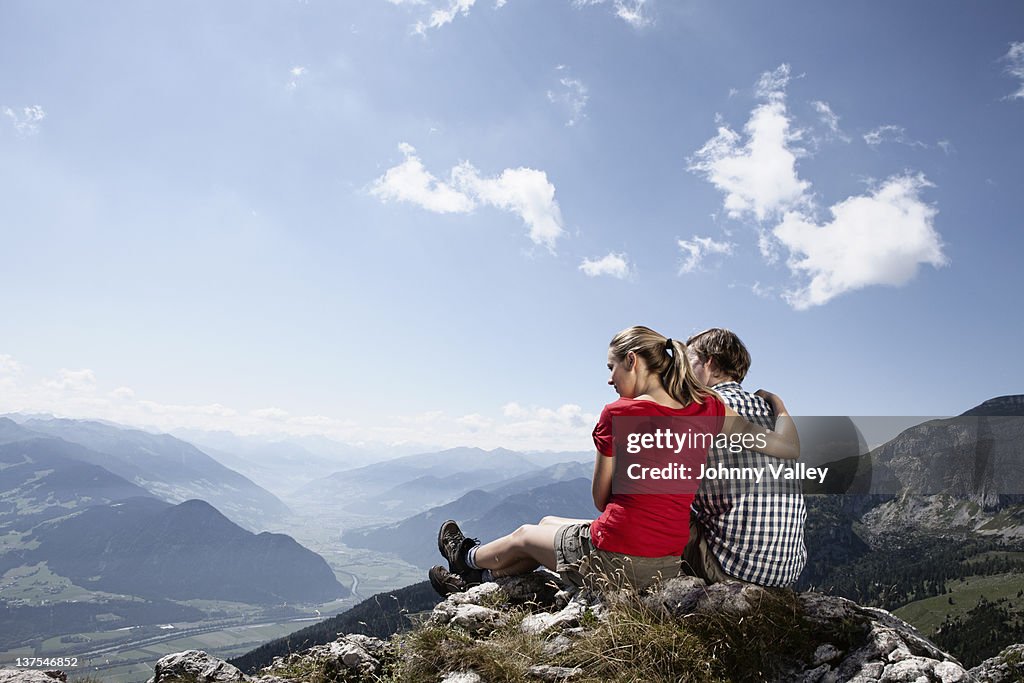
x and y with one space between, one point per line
742 530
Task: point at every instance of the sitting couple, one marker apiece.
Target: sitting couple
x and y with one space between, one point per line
722 533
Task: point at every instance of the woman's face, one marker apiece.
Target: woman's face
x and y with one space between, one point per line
623 374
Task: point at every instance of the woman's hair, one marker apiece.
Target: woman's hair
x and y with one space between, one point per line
663 357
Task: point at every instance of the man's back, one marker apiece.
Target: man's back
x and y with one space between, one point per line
755 531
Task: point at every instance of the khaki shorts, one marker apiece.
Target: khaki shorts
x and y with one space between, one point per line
583 565
699 561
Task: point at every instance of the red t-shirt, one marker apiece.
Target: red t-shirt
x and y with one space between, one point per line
648 525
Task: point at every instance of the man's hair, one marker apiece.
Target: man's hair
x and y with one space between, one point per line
729 353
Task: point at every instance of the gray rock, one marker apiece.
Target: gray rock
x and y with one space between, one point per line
553 673
194 666
557 645
1005 667
569 616
473 596
948 672
476 619
353 654
826 653
827 609
678 596
908 670
540 588
734 599
462 677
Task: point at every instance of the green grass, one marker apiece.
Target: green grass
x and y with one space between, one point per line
34 584
928 614
634 643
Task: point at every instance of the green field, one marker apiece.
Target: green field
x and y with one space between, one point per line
928 614
37 585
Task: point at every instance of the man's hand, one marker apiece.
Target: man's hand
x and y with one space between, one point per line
773 400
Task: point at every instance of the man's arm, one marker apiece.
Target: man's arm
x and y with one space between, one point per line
784 442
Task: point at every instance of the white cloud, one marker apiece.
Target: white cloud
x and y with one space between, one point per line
768 246
75 394
10 369
758 175
26 122
572 98
876 239
772 84
475 422
9 366
444 15
123 393
296 72
830 119
946 146
271 413
612 265
1014 59
73 380
630 11
891 133
696 249
513 409
525 192
411 182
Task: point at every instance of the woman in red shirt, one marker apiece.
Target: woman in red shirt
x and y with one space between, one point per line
644 523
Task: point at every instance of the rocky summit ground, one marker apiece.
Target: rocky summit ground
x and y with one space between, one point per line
532 628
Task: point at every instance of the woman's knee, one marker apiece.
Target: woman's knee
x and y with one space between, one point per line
521 535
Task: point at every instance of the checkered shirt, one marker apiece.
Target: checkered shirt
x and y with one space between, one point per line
756 531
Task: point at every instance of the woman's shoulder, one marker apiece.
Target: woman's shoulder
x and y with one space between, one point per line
711 405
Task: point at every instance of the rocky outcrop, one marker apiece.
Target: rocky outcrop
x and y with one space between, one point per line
194 666
973 458
1005 667
734 631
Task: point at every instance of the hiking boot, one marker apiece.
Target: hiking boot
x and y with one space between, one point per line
446 583
453 545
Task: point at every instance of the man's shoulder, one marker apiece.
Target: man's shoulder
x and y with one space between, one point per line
743 402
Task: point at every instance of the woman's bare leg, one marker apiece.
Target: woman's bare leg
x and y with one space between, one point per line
535 542
561 521
523 567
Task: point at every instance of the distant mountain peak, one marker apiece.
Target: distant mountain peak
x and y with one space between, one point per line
1002 406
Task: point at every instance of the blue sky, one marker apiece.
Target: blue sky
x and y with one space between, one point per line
422 220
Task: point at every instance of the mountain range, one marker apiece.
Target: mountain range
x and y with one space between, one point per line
169 468
562 489
152 549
